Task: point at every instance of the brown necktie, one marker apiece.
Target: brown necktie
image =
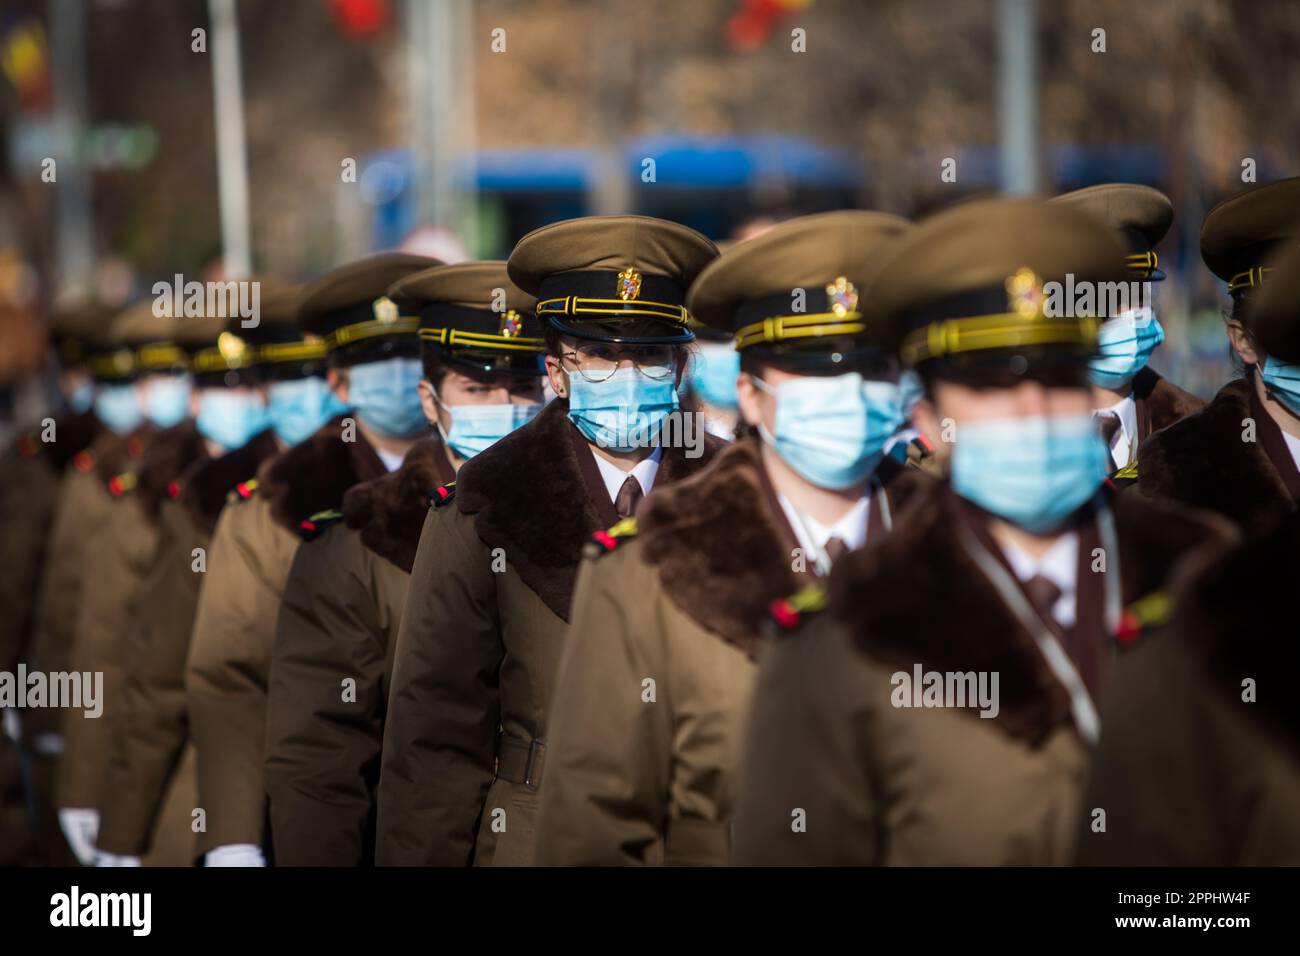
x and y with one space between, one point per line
1044 594
835 548
1109 423
629 496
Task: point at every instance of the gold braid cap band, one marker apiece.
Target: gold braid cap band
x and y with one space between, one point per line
1000 331
372 328
459 338
783 328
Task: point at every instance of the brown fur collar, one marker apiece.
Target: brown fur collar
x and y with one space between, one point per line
74 433
390 511
720 548
527 495
204 489
114 454
1163 402
1202 461
918 597
313 475
167 456
1235 615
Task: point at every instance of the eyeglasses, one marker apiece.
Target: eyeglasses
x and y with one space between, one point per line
596 361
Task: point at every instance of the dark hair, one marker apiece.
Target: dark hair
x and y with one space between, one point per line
1237 313
435 370
752 365
553 344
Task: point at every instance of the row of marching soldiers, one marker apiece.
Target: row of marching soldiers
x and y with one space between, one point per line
972 585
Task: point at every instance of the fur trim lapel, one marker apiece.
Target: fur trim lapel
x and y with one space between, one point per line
528 496
918 597
1162 402
390 511
113 454
723 554
205 489
1231 616
75 433
313 475
170 453
1202 461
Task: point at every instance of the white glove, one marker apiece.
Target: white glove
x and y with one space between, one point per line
80 828
236 854
113 859
48 744
9 720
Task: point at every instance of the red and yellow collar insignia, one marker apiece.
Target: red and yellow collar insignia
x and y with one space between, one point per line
245 489
788 613
603 542
318 522
119 485
1147 612
173 489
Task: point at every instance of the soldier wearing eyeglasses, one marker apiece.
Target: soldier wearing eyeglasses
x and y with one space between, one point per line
489 602
653 690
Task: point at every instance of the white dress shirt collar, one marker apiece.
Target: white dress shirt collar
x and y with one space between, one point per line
1060 565
851 528
1121 445
644 471
392 461
1293 446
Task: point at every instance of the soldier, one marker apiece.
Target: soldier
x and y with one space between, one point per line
1238 455
134 396
940 710
1207 771
208 367
653 687
30 472
481 348
374 370
150 790
1131 400
464 744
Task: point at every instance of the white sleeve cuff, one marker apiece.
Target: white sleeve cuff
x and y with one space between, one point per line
235 854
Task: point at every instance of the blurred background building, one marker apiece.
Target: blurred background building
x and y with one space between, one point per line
455 126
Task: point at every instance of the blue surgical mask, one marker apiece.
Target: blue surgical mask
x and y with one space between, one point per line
1283 380
713 372
476 427
832 429
910 391
82 398
298 407
118 407
386 396
1033 472
167 400
1124 346
626 411
230 418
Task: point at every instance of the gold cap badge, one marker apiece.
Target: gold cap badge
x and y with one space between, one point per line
511 324
385 310
629 284
1025 294
842 296
231 347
